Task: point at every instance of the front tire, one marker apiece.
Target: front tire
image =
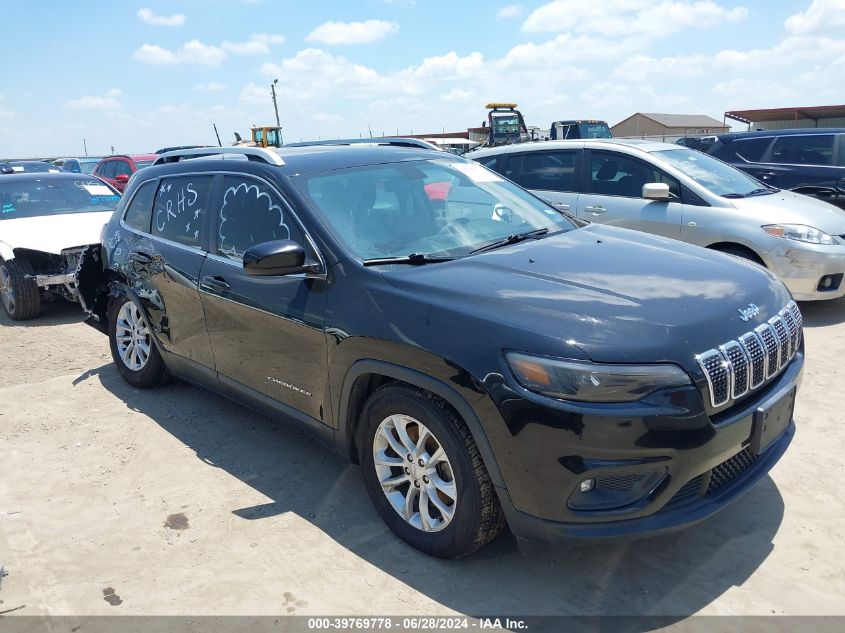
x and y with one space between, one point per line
18 291
424 473
132 347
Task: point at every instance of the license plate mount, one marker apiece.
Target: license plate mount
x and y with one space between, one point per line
770 421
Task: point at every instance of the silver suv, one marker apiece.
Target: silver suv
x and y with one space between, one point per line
686 195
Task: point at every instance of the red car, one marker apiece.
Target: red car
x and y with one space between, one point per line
117 170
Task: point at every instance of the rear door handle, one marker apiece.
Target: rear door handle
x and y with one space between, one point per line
595 209
217 284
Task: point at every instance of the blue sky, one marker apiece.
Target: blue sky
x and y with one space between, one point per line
139 75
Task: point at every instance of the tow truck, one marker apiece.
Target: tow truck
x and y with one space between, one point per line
506 125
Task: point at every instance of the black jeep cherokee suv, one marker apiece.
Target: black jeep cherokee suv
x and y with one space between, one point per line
483 358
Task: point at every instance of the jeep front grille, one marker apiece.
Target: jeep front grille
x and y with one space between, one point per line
739 366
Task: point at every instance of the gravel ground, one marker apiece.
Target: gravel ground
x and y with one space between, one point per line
176 501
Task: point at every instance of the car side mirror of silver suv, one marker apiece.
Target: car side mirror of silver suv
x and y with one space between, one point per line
656 191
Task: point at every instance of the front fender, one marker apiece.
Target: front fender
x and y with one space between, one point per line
345 437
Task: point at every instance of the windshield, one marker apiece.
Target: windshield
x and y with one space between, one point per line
33 166
47 196
87 166
443 207
594 130
716 176
506 125
140 164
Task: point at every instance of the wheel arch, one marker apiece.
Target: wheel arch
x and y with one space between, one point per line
727 246
366 375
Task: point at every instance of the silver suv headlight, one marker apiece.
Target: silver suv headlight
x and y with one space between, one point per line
593 382
799 233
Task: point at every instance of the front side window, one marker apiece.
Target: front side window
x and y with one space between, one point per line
814 149
139 211
179 213
614 174
122 168
753 150
251 213
107 170
714 175
42 196
389 210
551 171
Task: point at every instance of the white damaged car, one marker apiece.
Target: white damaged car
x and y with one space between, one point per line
47 221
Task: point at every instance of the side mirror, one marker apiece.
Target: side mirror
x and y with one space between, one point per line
655 191
121 179
279 257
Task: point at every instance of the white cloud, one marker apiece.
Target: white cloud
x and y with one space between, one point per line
148 17
820 16
193 52
510 11
211 86
338 33
94 103
114 93
629 17
257 44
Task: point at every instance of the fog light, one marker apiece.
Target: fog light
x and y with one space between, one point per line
587 485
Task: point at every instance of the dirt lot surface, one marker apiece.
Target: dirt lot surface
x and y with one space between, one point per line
176 501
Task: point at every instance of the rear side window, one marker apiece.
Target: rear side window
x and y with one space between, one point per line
179 213
139 211
551 171
753 150
252 213
489 162
815 149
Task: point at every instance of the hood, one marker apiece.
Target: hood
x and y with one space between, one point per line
54 233
788 207
617 295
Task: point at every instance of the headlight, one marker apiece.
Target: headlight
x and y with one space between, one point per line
592 382
799 232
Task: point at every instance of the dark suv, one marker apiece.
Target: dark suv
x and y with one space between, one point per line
481 357
809 161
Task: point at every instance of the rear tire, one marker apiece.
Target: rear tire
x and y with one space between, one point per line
453 508
19 295
132 346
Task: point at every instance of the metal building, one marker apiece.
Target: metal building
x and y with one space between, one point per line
787 118
668 127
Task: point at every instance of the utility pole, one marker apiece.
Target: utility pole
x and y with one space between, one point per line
85 145
275 104
219 144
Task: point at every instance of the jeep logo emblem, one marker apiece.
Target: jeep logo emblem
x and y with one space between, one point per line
746 314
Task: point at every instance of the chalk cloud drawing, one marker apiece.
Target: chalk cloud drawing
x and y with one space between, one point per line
248 217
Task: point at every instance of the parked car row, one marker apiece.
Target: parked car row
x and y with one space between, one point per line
487 355
684 194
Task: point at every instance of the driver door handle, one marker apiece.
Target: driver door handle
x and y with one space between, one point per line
140 257
595 209
561 205
216 283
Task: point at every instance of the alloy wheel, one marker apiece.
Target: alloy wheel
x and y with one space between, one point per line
132 336
7 292
414 472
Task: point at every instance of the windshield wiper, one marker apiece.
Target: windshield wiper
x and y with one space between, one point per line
761 191
510 239
414 259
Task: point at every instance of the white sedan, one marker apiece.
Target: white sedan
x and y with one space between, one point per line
46 223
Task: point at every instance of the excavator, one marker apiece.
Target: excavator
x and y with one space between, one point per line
265 136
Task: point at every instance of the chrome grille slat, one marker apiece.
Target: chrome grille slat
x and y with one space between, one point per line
770 342
757 358
739 366
735 355
783 339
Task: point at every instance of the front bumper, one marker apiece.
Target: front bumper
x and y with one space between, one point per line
802 266
697 467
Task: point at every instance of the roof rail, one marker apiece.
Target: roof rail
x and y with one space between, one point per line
251 153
